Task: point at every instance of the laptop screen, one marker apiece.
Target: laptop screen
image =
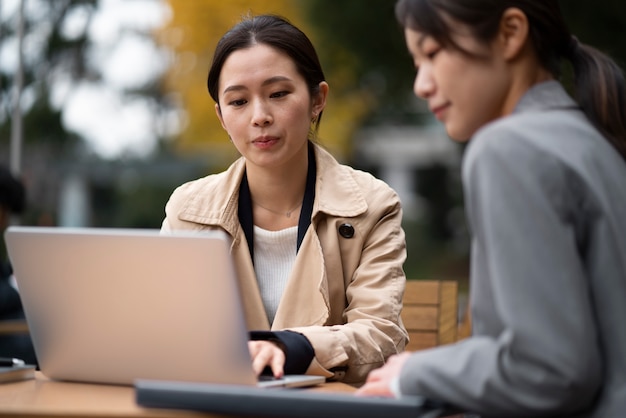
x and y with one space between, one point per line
112 305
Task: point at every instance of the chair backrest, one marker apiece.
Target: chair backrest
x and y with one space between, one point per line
13 326
430 313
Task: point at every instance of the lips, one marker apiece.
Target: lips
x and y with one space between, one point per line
265 141
439 110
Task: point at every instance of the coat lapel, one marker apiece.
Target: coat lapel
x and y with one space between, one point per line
307 287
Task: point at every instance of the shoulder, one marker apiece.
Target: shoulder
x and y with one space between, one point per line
216 185
540 138
546 120
201 185
534 139
346 191
553 156
329 168
373 186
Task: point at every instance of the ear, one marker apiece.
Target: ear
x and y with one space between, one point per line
319 101
218 112
513 32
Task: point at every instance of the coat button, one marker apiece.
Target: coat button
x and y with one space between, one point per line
346 230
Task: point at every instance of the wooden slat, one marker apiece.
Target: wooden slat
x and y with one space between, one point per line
13 327
421 292
430 313
420 318
448 312
421 340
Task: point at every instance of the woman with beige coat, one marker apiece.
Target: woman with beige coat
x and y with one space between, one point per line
318 246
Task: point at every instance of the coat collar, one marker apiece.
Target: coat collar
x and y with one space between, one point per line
337 192
213 200
545 96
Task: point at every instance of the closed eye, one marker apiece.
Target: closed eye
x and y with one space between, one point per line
237 102
279 94
431 55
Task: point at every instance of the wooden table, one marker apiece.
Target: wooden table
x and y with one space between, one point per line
41 397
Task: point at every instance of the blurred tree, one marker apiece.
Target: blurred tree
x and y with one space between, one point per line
61 55
50 56
603 25
191 35
363 46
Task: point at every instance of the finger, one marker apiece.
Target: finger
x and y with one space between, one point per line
260 360
374 375
277 363
256 346
253 347
374 389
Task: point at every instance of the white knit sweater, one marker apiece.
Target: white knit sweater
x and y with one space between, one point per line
274 255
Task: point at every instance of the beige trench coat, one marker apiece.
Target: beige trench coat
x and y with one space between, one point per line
343 294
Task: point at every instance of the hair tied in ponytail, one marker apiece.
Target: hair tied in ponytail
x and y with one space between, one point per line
573 47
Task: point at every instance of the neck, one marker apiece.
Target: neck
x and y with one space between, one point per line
278 189
526 72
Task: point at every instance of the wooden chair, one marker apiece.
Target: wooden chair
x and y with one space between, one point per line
430 313
13 326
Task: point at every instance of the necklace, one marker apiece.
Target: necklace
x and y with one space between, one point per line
287 214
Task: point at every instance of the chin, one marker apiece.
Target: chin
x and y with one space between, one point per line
458 136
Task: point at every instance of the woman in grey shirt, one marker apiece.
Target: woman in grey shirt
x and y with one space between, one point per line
545 187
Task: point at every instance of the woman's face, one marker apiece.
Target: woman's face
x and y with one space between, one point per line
463 92
265 106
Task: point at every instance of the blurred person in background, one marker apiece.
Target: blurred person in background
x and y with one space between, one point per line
12 202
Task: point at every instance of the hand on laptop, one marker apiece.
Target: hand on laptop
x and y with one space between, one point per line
379 381
267 353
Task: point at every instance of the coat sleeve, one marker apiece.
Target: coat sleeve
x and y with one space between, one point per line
535 350
372 329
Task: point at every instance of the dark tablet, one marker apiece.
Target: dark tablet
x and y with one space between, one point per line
292 403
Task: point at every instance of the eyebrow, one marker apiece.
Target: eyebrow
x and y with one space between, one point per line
421 40
271 80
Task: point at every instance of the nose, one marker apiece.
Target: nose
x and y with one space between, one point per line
261 115
424 85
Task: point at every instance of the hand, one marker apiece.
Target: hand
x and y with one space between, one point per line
378 382
266 353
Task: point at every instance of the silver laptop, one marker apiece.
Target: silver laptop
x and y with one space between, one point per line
115 305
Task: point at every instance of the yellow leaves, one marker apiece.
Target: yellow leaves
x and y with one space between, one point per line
191 36
342 117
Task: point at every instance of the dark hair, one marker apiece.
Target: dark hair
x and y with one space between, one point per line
12 192
598 82
274 31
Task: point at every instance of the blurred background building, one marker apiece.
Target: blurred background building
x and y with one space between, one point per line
104 108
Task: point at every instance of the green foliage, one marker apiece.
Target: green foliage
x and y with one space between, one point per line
602 25
432 259
133 193
366 37
142 206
